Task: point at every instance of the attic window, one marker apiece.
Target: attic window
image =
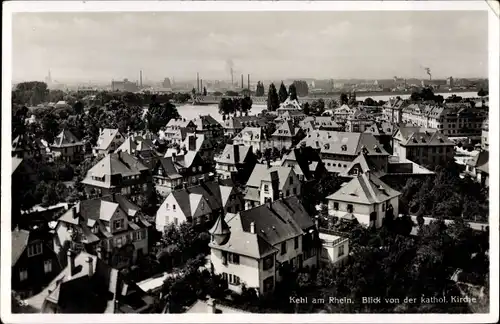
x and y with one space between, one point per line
317 144
257 136
344 147
327 146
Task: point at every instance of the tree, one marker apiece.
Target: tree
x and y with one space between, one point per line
204 91
259 91
78 108
343 98
482 93
369 102
282 94
306 109
273 101
302 89
318 107
292 90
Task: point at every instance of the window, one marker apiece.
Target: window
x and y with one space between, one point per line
269 284
224 257
119 224
233 258
234 280
341 251
173 206
176 221
350 208
296 243
23 274
118 242
35 249
266 188
383 206
47 266
294 190
287 193
200 168
283 248
335 206
268 262
291 180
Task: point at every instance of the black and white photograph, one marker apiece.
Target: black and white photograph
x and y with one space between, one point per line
248 162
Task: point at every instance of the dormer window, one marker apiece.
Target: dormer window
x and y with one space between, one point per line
344 147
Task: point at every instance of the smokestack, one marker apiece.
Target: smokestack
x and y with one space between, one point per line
71 263
141 78
201 85
198 82
242 82
248 82
232 77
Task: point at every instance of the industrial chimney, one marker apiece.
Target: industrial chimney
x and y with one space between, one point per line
242 82
140 73
248 82
198 82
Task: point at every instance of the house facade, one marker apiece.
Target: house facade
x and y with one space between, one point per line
208 126
235 162
173 172
234 125
255 247
198 205
334 247
254 137
108 141
111 227
118 173
268 184
478 168
358 121
365 198
423 146
34 262
176 130
287 135
67 147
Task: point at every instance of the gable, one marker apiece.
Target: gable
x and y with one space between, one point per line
202 208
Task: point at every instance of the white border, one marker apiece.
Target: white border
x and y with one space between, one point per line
65 6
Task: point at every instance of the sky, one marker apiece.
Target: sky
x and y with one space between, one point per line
99 47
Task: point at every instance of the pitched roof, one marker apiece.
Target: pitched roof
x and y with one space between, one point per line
480 160
420 136
16 162
66 138
243 121
179 123
172 165
205 121
290 104
365 189
189 199
273 223
344 142
262 173
307 160
228 154
107 136
134 144
20 239
86 291
286 129
251 134
120 163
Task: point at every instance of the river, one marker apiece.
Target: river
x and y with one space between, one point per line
191 111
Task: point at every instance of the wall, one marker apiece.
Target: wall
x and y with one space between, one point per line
330 248
247 270
169 212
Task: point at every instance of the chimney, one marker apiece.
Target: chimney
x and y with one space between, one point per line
211 306
174 156
201 85
99 252
236 148
71 263
198 82
252 227
184 185
192 143
248 82
73 212
90 262
275 184
242 82
141 79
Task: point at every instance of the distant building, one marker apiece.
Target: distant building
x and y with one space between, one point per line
358 121
234 125
111 227
254 246
485 145
290 115
124 85
198 205
287 135
254 137
108 141
320 123
235 162
393 110
67 147
141 147
271 183
166 84
118 173
34 262
88 285
422 145
365 198
178 170
478 169
341 114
